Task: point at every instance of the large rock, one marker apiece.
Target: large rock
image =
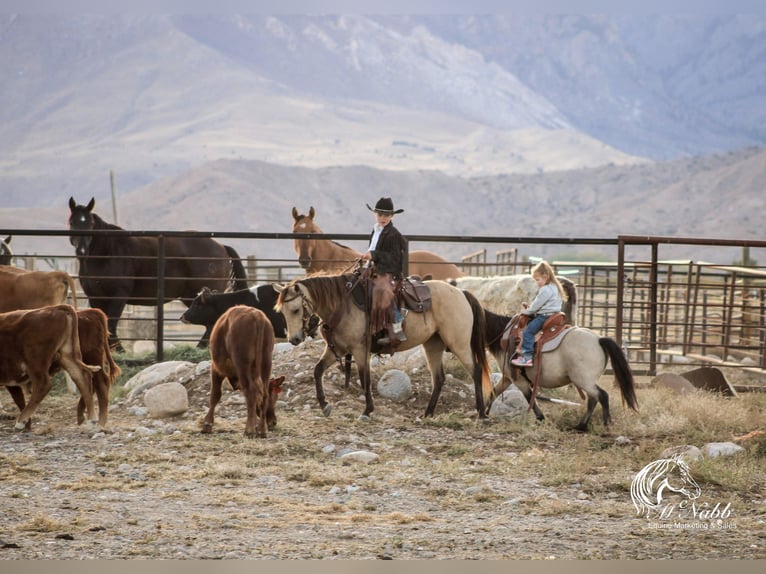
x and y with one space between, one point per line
395 385
177 371
166 400
510 404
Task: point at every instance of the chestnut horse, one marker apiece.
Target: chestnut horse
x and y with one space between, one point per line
324 255
455 321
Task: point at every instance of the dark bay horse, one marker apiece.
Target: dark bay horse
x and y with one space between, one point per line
324 255
580 359
455 321
116 271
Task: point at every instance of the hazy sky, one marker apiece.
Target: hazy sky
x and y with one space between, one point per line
386 6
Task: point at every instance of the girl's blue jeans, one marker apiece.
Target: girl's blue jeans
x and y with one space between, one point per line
528 339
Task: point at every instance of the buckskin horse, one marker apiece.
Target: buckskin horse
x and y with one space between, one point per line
120 270
455 321
324 255
580 358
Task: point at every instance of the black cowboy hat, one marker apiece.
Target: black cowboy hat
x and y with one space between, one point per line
385 205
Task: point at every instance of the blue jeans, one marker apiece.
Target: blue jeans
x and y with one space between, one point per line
528 339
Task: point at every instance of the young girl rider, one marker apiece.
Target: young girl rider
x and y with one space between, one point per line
548 301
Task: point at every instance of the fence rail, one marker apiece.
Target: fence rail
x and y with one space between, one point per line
658 309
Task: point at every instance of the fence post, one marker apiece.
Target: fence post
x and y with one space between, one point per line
160 341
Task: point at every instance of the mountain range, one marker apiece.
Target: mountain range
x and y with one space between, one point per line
486 124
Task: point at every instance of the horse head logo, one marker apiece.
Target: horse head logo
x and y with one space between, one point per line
660 478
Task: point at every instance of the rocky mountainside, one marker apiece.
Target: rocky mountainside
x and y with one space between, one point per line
715 197
153 96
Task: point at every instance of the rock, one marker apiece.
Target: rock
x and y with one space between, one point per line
688 452
395 385
510 404
159 373
361 456
166 400
716 449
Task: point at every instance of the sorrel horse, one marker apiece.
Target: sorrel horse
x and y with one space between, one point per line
324 255
6 255
120 270
455 321
580 359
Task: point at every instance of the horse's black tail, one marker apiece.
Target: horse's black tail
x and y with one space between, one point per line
238 275
622 371
479 344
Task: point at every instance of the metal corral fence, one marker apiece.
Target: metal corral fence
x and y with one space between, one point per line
659 310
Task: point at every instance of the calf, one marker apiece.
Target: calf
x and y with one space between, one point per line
209 305
241 347
35 344
23 289
94 343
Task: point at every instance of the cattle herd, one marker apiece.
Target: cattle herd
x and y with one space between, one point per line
41 335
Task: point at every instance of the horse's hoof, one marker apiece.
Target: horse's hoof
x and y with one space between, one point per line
326 410
365 418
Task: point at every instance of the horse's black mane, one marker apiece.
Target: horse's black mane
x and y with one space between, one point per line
496 324
99 223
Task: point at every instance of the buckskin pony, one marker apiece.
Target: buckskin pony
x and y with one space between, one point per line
579 358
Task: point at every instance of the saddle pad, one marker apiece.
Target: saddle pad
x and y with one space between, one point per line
553 344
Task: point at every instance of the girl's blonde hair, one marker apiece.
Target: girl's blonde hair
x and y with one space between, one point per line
544 269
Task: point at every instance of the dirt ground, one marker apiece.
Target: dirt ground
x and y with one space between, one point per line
443 488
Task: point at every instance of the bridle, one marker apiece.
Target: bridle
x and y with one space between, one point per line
310 320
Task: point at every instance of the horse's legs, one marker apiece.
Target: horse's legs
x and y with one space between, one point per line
325 361
603 398
525 386
599 396
434 349
366 379
113 309
347 369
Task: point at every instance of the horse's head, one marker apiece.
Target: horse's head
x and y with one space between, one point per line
5 251
304 247
295 305
81 218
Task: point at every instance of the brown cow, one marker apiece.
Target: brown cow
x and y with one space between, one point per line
241 347
23 289
94 344
35 343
